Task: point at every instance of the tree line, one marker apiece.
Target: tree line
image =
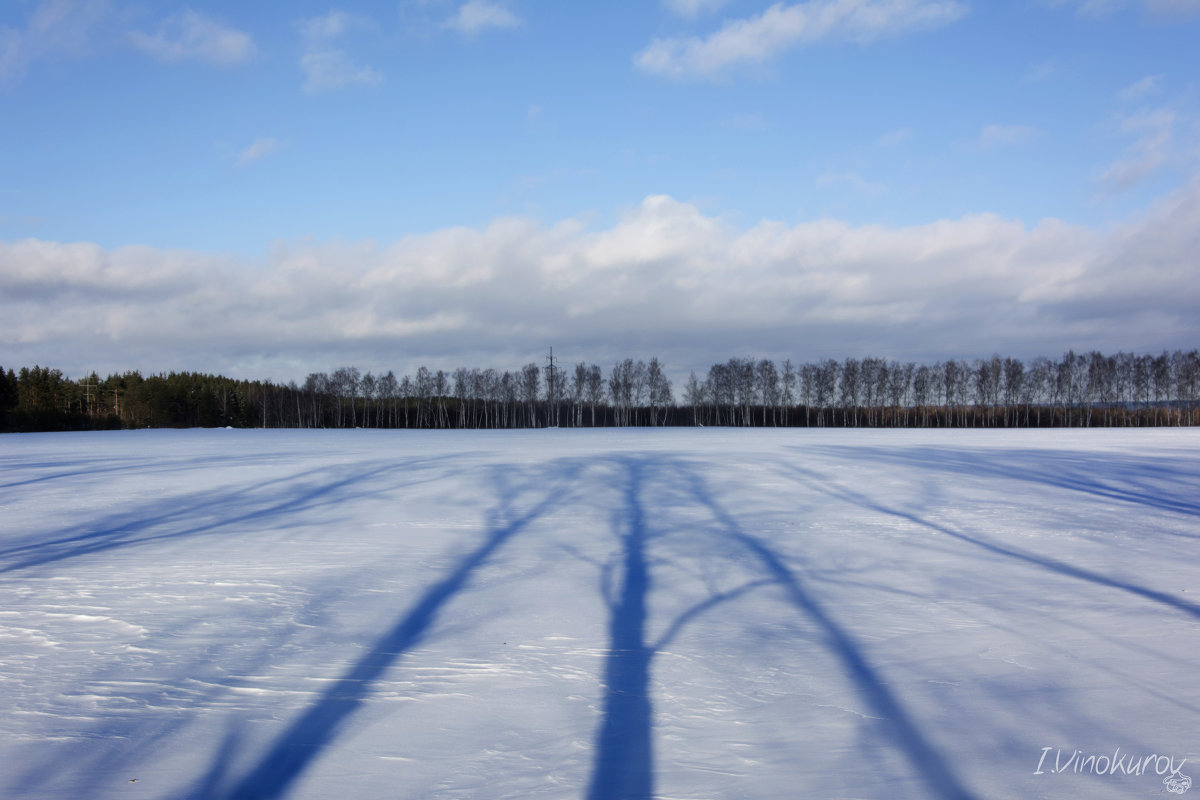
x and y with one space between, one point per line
1076 390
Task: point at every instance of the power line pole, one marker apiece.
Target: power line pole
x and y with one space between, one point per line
552 416
87 389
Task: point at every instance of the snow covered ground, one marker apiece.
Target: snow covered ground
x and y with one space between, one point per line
603 614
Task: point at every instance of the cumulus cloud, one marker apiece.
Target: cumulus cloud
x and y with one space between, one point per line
1159 9
329 26
748 122
259 148
475 16
666 279
325 70
895 137
1139 90
326 67
850 179
756 39
54 28
694 8
1173 8
1153 146
191 36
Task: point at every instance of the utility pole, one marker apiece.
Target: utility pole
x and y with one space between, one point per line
87 389
552 417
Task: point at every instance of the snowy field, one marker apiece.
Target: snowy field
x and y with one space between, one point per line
599 614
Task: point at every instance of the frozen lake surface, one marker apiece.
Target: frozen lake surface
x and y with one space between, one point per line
685 613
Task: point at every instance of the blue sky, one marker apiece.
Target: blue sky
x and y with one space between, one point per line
256 188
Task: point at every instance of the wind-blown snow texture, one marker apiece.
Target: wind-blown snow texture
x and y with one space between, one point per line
597 614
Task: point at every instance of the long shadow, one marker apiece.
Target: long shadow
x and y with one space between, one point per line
310 734
193 687
1123 478
624 764
99 468
903 731
623 768
79 467
139 527
821 484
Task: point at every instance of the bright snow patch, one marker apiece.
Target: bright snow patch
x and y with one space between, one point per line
670 613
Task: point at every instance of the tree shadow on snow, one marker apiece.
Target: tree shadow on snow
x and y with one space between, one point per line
318 727
1164 484
151 704
900 728
818 482
266 505
623 767
103 468
273 504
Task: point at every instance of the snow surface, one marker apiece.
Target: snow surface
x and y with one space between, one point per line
675 613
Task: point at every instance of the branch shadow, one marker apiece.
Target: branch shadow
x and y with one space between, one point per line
202 684
105 467
310 734
901 728
816 481
1146 481
151 523
623 767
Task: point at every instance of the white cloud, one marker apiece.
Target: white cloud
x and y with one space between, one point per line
757 39
1153 146
475 16
851 179
1173 8
326 67
259 148
666 279
896 137
1160 9
1099 8
54 28
1151 84
694 8
191 36
1005 135
329 26
748 122
325 70
1041 71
